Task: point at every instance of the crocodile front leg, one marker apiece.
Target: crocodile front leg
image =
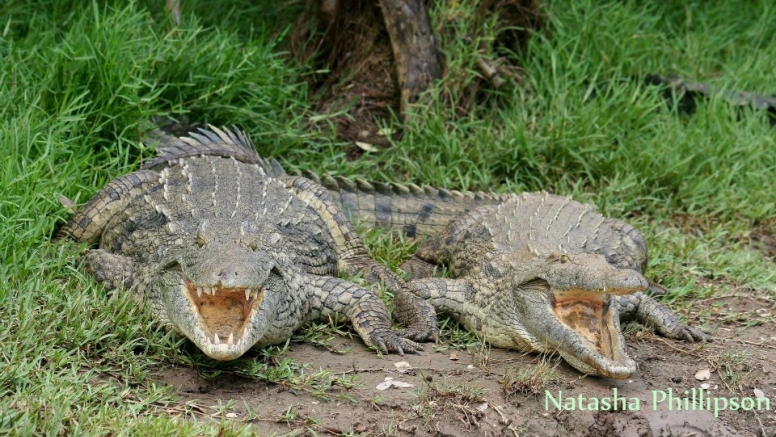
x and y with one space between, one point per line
650 312
112 270
364 309
352 257
415 314
444 294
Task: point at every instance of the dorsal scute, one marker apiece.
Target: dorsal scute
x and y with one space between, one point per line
226 143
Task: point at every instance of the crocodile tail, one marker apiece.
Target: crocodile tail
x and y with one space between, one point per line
410 209
212 142
87 223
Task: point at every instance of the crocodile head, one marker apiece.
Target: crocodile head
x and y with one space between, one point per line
564 303
225 290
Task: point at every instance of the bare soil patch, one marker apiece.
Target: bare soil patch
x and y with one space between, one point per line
465 396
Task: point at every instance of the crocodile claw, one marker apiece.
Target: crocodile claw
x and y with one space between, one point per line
390 342
685 333
421 333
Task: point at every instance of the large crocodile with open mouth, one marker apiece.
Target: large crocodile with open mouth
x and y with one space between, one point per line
534 272
233 253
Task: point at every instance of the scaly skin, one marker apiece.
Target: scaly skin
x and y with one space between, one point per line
534 272
412 210
233 253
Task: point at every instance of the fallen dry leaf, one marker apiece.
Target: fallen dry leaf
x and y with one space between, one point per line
703 374
366 147
402 366
389 382
67 203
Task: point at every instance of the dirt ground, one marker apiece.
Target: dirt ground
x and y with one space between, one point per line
461 393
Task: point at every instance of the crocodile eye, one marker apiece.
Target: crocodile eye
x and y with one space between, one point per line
564 258
253 245
200 240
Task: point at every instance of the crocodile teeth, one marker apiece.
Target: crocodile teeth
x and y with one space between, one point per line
230 342
247 294
199 292
216 340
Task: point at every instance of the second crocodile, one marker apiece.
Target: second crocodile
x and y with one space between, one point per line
534 272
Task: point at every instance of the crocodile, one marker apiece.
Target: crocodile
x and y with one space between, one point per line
230 251
534 272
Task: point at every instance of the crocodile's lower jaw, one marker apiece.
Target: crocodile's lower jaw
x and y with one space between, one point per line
589 315
223 317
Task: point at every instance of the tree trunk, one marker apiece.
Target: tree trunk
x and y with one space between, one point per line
418 61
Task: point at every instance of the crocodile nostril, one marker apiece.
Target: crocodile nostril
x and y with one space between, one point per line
226 272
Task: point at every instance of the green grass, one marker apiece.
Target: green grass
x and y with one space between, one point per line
79 81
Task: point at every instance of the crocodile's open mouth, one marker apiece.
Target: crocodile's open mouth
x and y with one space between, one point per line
586 315
224 312
589 315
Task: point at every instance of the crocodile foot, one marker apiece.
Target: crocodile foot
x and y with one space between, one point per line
416 315
650 312
388 341
680 331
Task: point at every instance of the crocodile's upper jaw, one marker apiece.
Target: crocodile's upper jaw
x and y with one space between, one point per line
221 321
590 327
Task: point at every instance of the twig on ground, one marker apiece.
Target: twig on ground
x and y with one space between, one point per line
490 72
506 420
677 349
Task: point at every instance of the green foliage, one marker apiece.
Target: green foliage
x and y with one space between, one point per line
79 82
